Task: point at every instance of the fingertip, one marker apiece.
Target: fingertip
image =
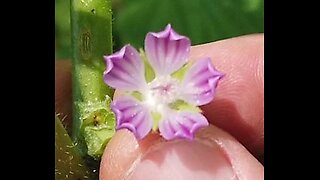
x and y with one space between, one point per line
238 104
122 152
244 164
213 154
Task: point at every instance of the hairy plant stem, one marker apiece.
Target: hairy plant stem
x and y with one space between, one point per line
93 121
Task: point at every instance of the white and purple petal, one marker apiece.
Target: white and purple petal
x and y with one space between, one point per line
167 51
132 115
125 70
200 82
182 125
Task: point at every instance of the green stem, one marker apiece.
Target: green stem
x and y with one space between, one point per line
93 121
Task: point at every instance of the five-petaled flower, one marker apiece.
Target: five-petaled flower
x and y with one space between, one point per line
166 102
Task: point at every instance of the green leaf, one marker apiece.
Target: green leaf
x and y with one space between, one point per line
68 162
201 20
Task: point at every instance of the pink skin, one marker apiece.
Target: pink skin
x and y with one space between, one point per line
236 116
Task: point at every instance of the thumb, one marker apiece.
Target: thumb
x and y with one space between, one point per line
213 154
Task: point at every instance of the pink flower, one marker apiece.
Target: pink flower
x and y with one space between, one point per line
167 102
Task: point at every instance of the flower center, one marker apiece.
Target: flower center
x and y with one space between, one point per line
161 91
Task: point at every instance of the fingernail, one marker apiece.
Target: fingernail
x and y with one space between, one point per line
181 159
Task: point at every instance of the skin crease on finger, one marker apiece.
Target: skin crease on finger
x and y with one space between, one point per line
237 109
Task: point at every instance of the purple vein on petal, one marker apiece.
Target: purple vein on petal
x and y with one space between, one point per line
182 125
132 115
167 51
200 82
125 70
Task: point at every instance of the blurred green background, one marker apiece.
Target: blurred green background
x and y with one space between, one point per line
201 20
